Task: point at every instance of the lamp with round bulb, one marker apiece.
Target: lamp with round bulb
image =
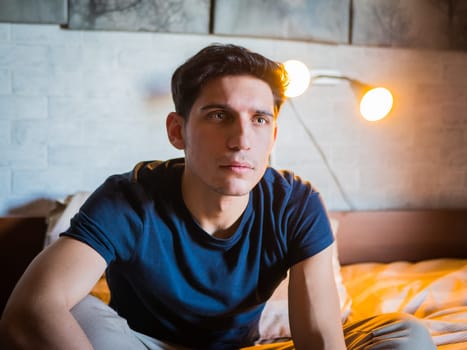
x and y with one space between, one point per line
375 103
299 78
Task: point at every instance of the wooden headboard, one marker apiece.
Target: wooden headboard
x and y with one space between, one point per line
411 235
21 239
363 236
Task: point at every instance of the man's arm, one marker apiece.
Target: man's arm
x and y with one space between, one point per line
314 313
37 315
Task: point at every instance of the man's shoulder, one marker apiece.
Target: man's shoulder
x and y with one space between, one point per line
285 179
287 190
138 184
133 192
145 170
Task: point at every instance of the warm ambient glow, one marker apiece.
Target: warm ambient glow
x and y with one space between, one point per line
299 78
376 104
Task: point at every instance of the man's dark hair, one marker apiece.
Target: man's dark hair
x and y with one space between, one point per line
220 60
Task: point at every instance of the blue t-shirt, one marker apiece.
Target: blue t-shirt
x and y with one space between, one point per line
173 281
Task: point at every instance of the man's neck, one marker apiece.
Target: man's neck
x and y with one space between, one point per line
218 215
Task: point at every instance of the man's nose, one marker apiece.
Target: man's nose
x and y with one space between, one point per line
240 135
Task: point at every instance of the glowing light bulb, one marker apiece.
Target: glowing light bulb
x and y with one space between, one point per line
376 104
299 78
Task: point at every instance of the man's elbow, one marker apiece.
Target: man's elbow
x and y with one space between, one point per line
12 334
17 326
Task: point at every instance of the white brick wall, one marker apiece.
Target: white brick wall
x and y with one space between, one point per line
77 106
5 81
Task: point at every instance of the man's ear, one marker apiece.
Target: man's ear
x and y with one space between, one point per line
174 124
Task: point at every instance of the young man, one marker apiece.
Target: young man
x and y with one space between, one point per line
194 247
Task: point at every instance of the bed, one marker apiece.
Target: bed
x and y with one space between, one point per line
398 260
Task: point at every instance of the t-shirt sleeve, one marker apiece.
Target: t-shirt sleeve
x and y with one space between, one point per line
309 226
109 221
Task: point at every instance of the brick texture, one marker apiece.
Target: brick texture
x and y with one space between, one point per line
78 106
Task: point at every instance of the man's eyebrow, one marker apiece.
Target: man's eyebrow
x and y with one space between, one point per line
262 112
227 107
215 105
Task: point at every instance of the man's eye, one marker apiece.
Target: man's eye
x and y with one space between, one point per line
261 120
217 115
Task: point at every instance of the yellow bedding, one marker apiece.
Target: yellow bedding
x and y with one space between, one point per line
435 291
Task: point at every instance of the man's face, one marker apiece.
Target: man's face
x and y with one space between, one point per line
229 135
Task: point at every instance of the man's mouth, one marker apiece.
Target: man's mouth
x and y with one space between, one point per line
237 166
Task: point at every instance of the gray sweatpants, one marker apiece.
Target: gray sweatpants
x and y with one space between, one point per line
108 331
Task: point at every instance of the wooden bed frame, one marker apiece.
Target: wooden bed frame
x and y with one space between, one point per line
410 235
363 236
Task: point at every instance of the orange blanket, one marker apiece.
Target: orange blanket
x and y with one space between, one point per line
435 291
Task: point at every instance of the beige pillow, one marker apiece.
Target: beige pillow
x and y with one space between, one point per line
58 221
59 217
274 322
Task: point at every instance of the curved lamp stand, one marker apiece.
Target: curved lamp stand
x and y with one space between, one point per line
375 104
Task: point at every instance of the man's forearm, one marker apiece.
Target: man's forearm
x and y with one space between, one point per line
37 315
52 329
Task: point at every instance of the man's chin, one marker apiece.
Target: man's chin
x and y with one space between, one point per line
235 187
234 191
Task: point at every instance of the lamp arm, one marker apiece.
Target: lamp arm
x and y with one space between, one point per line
331 76
322 155
339 77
